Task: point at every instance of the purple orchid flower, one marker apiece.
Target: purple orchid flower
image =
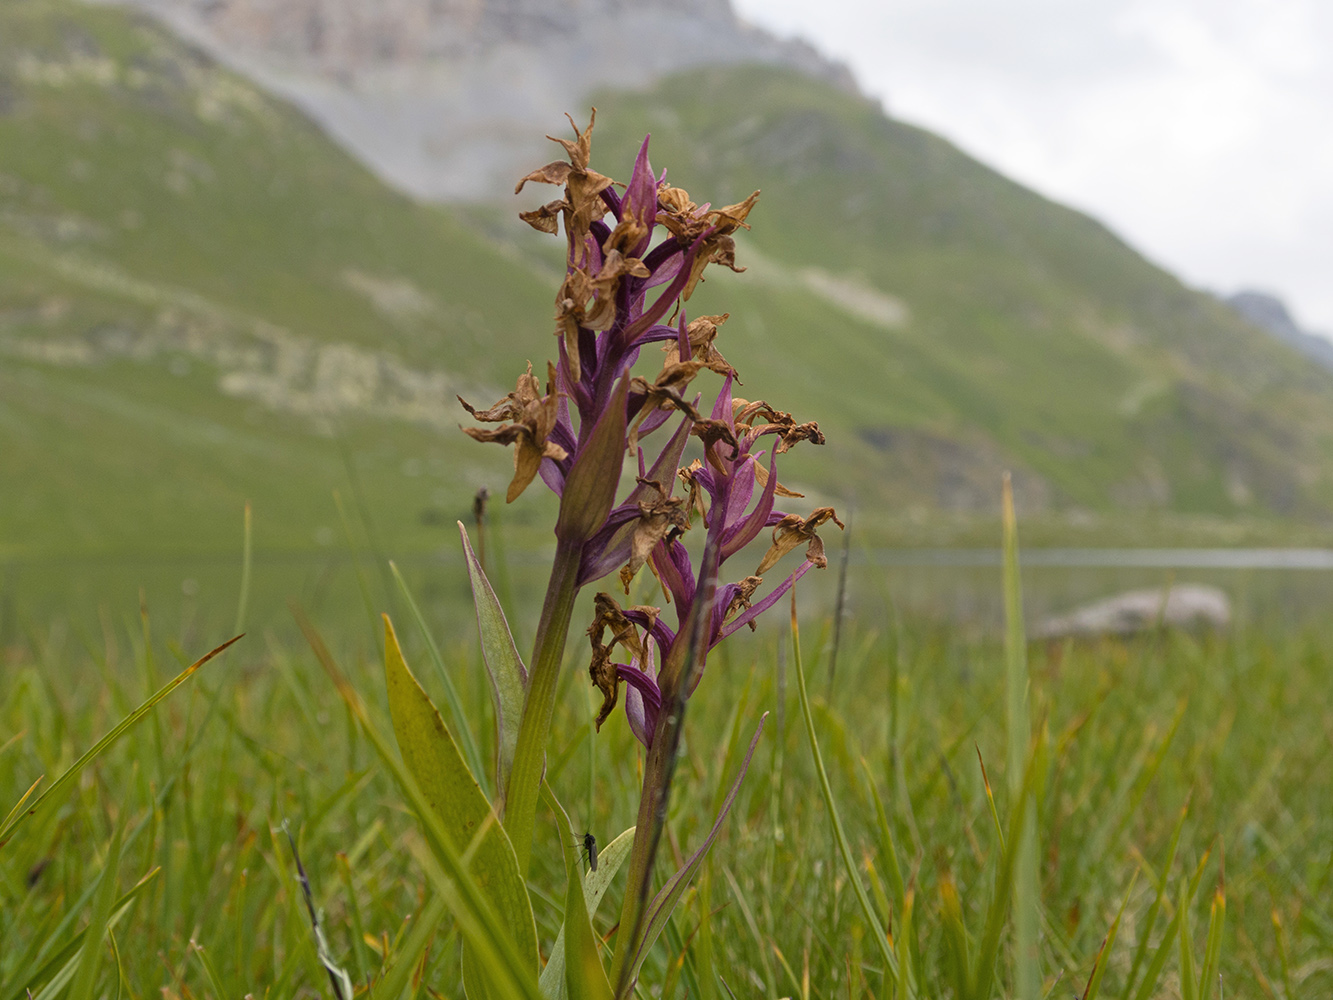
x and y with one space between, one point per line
740 495
623 292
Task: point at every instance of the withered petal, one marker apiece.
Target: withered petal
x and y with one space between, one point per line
547 218
732 217
556 172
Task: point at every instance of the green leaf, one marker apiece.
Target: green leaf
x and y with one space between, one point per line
509 678
455 797
585 977
595 884
85 975
17 816
458 717
590 487
513 968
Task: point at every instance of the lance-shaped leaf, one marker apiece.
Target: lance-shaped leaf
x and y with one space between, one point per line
448 869
585 979
433 759
504 667
659 910
595 884
590 487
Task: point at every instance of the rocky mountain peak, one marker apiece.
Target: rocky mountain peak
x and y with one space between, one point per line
449 99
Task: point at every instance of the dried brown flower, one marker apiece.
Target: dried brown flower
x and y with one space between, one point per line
533 417
656 519
740 600
791 531
608 615
583 187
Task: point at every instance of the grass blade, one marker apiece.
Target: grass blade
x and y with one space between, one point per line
125 725
243 600
1108 945
839 835
104 900
1027 901
394 983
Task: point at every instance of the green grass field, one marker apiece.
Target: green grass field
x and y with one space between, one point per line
1215 744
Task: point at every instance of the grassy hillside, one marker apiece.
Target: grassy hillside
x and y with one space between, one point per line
203 301
1011 329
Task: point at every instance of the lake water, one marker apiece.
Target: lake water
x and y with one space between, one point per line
194 598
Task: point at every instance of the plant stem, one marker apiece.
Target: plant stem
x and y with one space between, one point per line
539 705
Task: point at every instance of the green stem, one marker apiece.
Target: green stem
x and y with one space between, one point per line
641 856
675 678
539 705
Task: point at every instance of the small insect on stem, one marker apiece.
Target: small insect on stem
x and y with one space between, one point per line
590 851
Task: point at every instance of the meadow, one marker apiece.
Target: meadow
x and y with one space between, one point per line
1179 785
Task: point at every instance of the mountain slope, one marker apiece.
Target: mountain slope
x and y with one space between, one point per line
197 290
204 301
1022 327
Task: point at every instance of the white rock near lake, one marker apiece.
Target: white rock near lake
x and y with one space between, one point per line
1186 605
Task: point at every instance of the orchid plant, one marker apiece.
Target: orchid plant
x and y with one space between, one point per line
636 253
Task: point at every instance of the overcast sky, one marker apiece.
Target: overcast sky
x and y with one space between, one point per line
1200 130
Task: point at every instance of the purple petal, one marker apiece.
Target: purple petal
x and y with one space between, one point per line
668 298
641 196
665 272
643 699
722 408
609 546
659 630
744 533
597 235
677 574
741 489
653 421
552 476
662 256
656 334
720 604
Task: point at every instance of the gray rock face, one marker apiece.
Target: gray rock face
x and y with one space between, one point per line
1268 312
1186 605
449 99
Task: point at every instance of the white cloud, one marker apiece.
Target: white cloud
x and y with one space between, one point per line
1201 130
